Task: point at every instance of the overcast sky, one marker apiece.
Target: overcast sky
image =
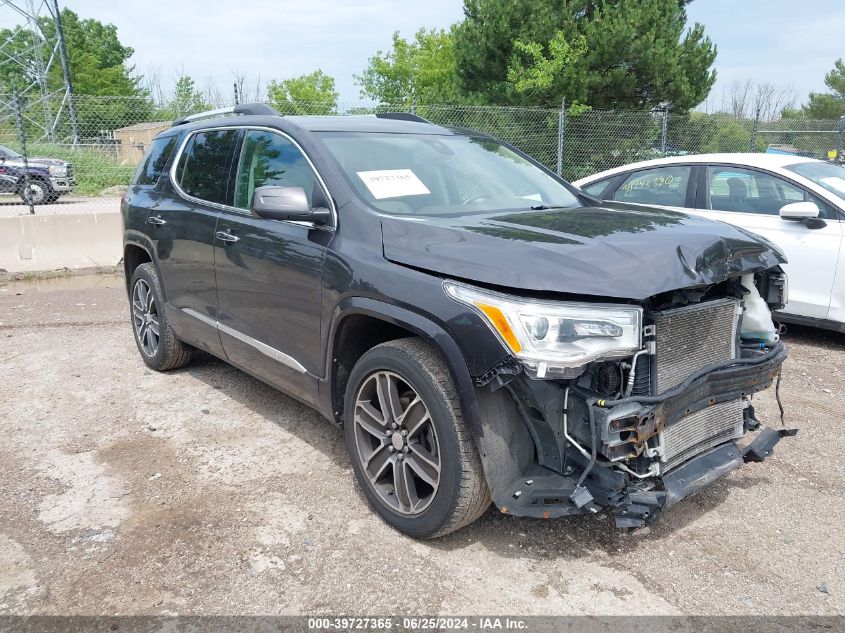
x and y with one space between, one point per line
779 41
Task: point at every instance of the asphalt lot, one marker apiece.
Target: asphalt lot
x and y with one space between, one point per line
203 491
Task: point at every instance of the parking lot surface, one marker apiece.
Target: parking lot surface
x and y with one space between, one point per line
204 491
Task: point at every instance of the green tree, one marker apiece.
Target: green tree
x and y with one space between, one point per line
99 68
544 78
728 134
829 105
313 93
422 69
186 99
632 54
99 63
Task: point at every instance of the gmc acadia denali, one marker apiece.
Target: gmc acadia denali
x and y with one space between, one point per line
479 328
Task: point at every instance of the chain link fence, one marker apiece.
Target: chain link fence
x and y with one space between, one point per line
104 138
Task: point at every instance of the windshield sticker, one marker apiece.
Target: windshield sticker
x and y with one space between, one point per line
393 183
836 182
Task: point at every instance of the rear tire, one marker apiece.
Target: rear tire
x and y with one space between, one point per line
157 342
422 438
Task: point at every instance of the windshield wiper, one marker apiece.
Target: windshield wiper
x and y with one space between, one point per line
546 207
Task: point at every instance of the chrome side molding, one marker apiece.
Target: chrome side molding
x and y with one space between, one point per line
265 349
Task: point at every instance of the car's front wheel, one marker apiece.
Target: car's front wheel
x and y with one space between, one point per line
410 451
156 340
39 192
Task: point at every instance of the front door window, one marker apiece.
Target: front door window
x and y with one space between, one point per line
661 186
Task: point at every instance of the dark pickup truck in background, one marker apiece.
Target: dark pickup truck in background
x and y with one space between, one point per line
49 178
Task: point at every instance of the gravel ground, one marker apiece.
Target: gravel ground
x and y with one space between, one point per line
204 491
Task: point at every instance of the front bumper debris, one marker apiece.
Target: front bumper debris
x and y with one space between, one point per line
640 507
637 496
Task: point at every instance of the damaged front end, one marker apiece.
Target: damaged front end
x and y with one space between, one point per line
634 428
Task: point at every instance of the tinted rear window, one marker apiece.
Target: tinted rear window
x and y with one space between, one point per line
203 166
154 162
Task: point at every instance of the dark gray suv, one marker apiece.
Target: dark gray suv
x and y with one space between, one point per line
479 328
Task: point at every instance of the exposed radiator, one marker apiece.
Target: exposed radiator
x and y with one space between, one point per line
693 337
700 431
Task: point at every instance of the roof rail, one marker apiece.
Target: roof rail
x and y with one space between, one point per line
402 116
243 109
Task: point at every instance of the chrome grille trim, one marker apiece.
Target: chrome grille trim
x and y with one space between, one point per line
693 337
700 431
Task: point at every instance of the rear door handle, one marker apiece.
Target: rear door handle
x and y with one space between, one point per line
226 237
156 220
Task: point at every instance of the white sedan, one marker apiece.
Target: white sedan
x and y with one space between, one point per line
797 203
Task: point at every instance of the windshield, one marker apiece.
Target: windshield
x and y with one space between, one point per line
428 174
8 153
827 175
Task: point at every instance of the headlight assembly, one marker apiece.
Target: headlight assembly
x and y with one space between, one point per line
57 170
555 339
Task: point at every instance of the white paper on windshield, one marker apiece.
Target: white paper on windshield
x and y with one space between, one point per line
393 183
836 182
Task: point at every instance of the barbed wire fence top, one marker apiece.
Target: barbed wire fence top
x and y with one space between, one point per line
114 132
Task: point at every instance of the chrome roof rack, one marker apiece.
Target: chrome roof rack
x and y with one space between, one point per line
242 109
402 116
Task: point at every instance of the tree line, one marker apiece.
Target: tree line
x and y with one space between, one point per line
586 54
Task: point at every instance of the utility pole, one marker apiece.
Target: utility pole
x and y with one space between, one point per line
38 57
71 106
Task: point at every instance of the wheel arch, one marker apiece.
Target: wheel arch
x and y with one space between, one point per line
134 255
367 322
21 182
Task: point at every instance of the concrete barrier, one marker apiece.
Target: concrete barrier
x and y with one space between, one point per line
30 243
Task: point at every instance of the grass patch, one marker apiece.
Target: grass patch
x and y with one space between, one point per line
94 169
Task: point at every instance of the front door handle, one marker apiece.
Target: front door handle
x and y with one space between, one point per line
227 237
156 220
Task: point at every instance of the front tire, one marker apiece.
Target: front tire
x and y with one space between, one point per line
157 342
39 192
406 438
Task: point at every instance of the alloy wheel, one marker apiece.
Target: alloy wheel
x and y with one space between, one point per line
397 443
36 194
145 318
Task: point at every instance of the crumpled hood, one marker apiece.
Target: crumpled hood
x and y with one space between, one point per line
619 252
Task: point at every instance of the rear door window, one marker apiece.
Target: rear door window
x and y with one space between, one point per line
749 191
203 168
155 160
664 186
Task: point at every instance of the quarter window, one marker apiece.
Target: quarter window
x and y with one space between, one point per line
203 167
597 188
749 191
665 186
153 164
269 159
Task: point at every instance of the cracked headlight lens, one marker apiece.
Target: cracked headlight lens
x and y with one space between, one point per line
555 339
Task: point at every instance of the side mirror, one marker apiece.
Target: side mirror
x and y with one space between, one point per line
286 203
799 211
